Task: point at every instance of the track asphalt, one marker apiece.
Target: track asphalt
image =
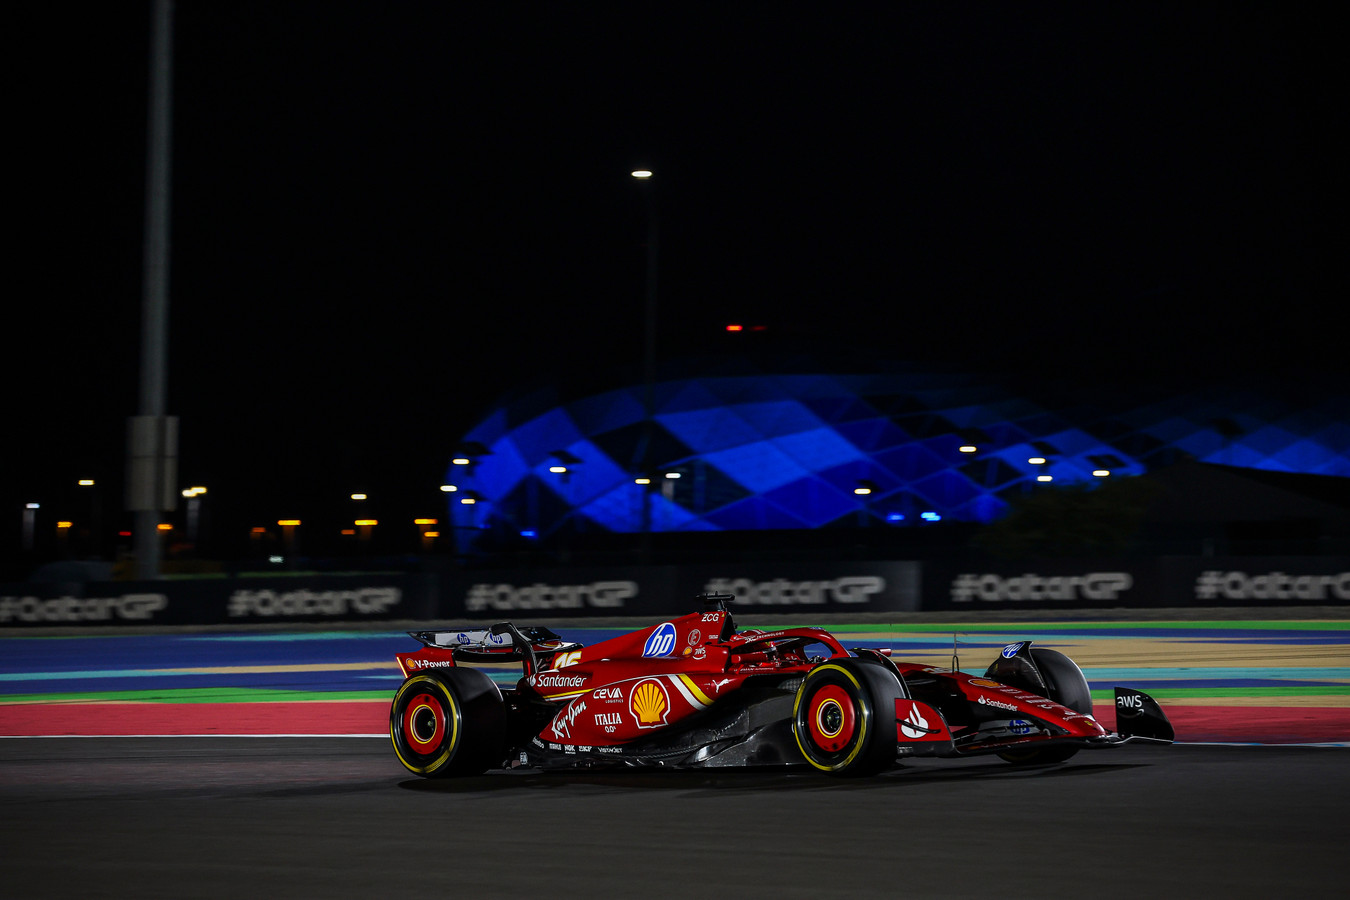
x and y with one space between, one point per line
334 818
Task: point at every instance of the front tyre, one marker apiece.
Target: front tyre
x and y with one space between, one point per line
1066 686
844 717
449 722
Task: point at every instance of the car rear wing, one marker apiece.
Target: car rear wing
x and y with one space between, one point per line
502 642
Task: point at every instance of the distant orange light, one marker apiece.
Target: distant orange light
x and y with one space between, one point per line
735 328
431 534
349 531
288 523
424 521
363 523
164 526
64 524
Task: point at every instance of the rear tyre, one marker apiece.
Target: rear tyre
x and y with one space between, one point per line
844 717
1066 686
449 722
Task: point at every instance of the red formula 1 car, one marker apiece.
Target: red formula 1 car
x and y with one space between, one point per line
695 692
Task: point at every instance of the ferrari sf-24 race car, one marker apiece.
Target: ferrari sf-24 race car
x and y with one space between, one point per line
695 692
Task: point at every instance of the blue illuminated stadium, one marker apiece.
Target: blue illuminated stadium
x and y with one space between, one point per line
755 451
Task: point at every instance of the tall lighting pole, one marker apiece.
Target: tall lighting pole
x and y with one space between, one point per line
153 436
644 178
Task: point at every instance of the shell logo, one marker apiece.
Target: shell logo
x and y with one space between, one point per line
649 704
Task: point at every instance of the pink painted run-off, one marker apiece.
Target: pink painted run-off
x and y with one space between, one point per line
1222 724
339 717
1250 724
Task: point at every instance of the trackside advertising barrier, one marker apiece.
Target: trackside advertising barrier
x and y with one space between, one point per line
670 590
808 587
1163 582
1261 581
219 601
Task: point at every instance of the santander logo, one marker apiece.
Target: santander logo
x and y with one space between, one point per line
914 726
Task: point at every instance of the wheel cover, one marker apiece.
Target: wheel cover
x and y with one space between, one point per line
424 725
831 719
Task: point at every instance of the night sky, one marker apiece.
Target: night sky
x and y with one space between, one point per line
385 215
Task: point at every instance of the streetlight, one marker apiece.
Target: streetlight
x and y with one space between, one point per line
288 537
429 532
644 178
566 463
864 489
29 524
193 496
152 457
95 513
469 454
668 485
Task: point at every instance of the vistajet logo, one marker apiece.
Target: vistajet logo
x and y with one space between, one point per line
1216 585
996 588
